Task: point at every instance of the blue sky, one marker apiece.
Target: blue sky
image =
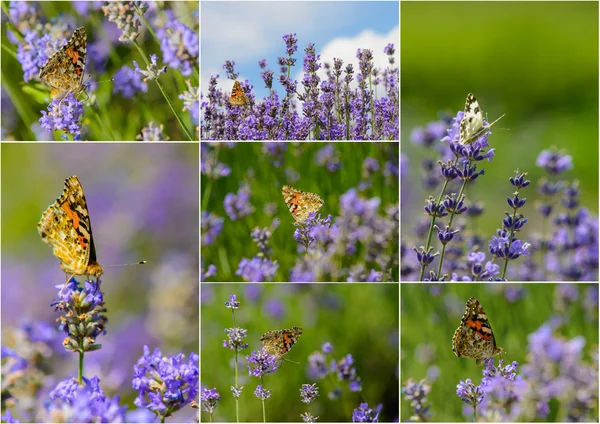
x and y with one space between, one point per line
248 31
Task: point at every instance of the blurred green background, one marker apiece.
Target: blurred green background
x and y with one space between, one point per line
535 61
143 205
266 174
430 314
357 319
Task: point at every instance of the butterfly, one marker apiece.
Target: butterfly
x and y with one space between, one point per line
472 126
66 227
301 203
474 337
279 342
64 70
238 97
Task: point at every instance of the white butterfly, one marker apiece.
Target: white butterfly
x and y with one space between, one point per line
472 126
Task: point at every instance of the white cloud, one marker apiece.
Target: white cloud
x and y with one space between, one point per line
346 48
249 30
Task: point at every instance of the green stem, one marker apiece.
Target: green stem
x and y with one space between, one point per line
452 215
80 370
148 26
262 383
237 401
439 201
543 250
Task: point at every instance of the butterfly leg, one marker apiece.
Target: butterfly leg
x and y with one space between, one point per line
66 282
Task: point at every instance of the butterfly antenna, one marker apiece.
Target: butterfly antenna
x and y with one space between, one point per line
488 126
293 362
133 263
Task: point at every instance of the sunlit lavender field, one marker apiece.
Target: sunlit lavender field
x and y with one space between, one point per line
548 368
342 368
248 233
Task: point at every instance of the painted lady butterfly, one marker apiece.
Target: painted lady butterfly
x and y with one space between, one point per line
472 126
238 97
474 337
64 70
279 342
301 203
66 227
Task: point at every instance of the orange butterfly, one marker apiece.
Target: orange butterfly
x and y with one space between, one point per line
238 97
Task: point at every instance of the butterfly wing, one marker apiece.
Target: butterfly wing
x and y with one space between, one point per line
472 121
301 203
66 227
279 342
238 97
65 69
474 337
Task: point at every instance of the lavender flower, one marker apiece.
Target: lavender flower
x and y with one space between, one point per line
152 132
309 392
238 206
212 225
8 417
307 417
416 394
165 384
236 391
554 162
191 101
83 316
212 270
505 245
126 18
316 227
556 369
209 399
469 393
328 156
152 71
85 403
261 393
364 414
257 269
179 44
261 363
504 392
235 338
347 372
232 303
261 238
317 367
128 82
64 115
209 165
